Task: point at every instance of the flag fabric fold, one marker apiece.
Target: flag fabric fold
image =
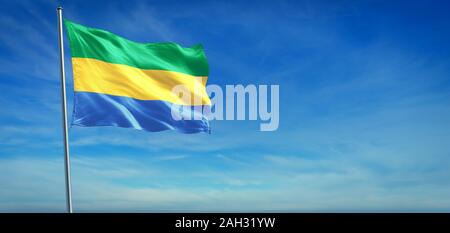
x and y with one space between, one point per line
118 82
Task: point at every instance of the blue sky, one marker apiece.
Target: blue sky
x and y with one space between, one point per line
364 101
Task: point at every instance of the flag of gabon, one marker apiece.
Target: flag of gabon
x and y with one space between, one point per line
118 82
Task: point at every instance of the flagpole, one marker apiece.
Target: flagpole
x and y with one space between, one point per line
64 112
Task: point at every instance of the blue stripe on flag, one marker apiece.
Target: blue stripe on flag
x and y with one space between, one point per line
94 109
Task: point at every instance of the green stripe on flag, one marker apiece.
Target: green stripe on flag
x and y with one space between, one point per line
99 44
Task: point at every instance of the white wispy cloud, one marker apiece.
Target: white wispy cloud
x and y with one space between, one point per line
97 187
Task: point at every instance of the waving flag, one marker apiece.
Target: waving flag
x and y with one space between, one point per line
118 82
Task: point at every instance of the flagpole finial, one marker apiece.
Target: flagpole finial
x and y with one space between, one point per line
59 8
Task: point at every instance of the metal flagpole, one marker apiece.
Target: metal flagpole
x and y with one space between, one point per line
64 112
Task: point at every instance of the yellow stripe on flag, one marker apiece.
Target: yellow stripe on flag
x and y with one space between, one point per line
92 75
